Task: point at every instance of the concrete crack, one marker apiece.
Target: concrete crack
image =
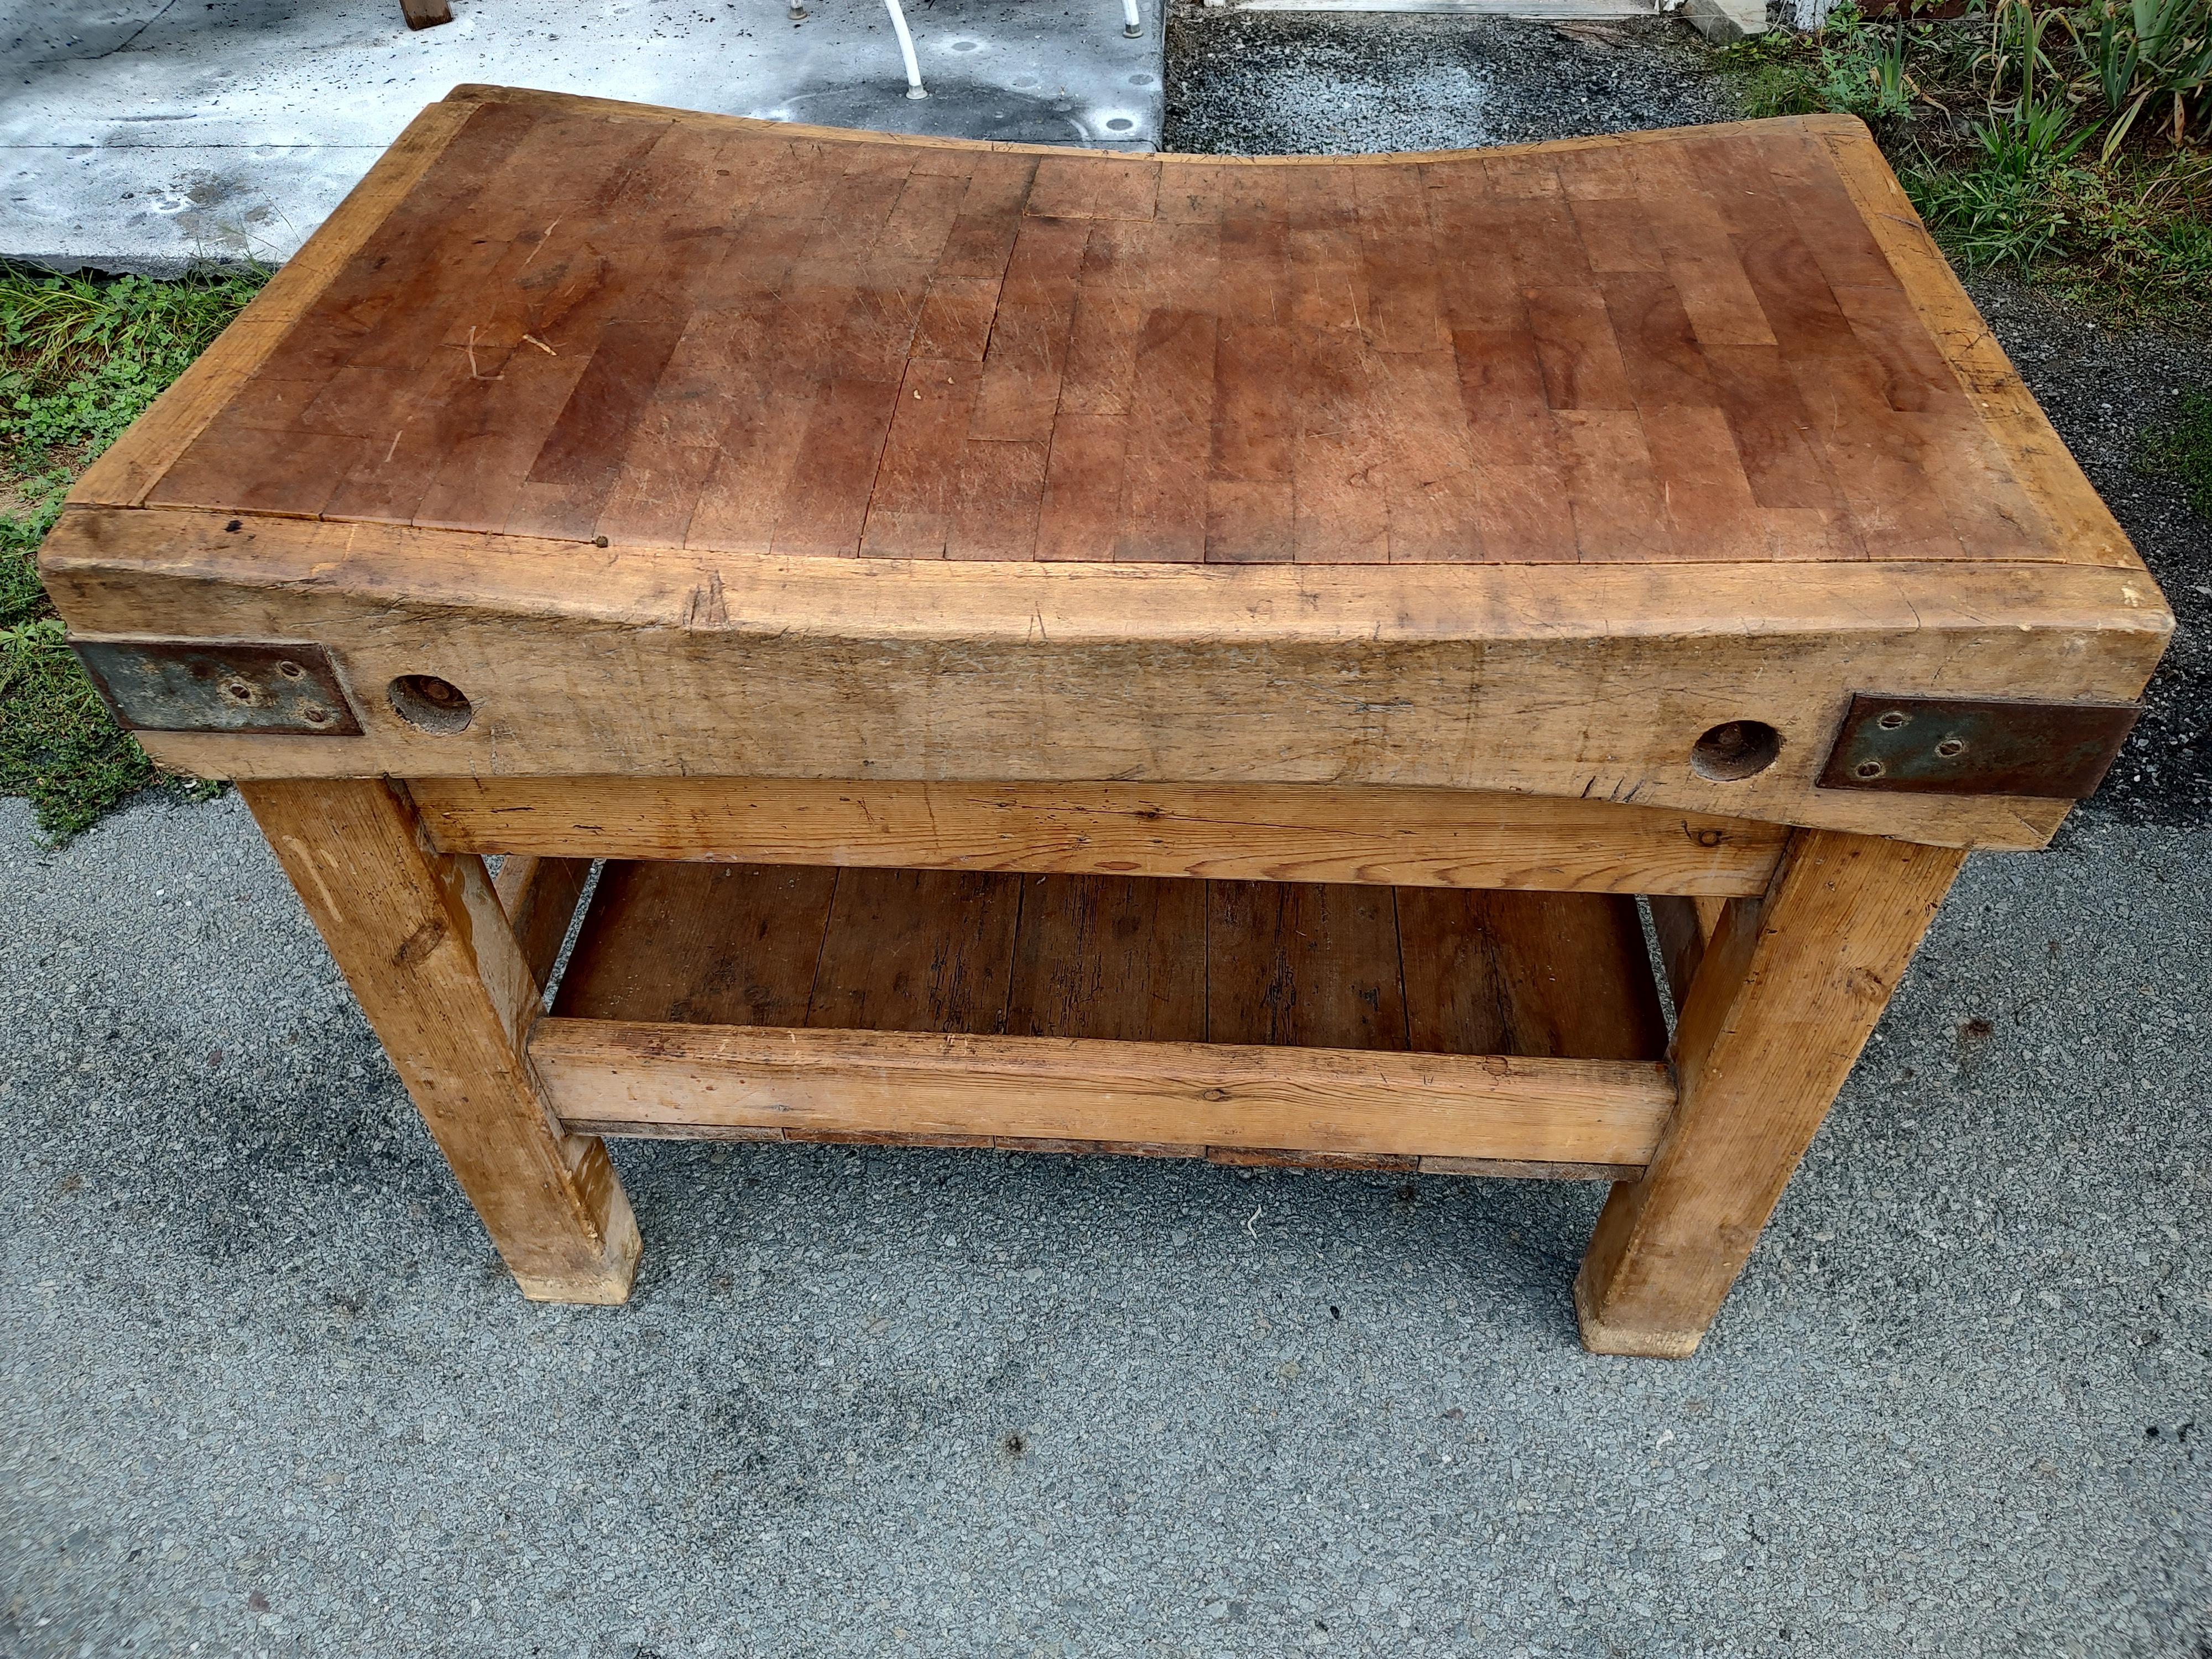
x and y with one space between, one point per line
122 46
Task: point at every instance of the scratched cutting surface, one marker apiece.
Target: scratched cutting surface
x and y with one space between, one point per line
734 337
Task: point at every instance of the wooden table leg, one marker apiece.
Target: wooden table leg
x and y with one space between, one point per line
425 14
423 941
1785 995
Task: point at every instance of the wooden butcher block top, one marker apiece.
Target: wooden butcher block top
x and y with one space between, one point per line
690 445
589 321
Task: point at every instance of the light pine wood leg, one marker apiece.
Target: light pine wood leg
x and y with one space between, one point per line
1785 995
425 14
423 939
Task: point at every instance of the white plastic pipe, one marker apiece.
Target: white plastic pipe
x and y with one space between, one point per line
1134 26
913 87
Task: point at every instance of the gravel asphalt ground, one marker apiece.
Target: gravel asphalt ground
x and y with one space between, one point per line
265 1390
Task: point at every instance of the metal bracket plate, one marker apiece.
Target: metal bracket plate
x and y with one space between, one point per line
1947 745
214 685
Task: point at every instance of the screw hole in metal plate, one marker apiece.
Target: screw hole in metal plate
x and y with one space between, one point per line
1975 746
1738 749
428 703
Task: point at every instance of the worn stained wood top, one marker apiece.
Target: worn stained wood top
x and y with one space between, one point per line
588 319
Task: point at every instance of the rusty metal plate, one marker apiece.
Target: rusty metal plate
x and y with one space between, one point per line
202 685
1944 746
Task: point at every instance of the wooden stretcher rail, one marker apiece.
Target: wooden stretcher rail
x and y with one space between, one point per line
617 1076
1272 1158
1398 837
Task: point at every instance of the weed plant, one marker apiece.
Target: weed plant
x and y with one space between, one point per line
2065 143
80 358
2183 450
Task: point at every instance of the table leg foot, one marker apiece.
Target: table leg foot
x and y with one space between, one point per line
605 1268
435 963
1785 995
1599 1337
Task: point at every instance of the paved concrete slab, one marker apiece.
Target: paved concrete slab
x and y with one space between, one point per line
143 135
264 1387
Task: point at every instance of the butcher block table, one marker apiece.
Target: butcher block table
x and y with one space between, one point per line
1181 656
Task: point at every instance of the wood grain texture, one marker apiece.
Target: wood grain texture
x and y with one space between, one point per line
1536 974
1098 1013
423 940
134 463
1166 359
842 1084
720 944
1785 996
1305 964
583 660
1297 964
915 950
1393 837
539 895
1110 957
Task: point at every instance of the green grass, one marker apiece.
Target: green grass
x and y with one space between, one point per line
2132 239
2022 144
80 358
2183 450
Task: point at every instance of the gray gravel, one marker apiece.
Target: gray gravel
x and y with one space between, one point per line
265 1390
1293 83
2102 390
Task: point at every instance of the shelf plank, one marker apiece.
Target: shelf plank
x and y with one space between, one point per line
725 944
1536 974
1281 1023
1297 964
916 951
1108 957
1263 963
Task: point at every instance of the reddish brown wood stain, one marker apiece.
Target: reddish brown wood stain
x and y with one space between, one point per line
580 324
1310 965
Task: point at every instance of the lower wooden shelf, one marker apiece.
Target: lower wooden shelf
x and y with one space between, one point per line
1419 1027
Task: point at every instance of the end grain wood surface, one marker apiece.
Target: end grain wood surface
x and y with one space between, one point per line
593 320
